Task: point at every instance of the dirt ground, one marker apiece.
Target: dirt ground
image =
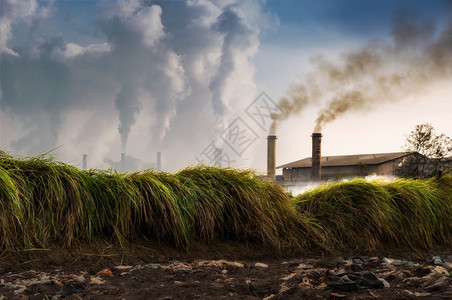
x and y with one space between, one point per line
225 271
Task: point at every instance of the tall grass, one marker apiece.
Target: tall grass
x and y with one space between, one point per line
44 201
365 215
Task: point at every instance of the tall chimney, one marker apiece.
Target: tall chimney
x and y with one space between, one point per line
123 161
159 161
85 158
271 157
316 169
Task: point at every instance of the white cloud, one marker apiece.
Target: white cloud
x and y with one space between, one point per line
73 50
157 70
13 11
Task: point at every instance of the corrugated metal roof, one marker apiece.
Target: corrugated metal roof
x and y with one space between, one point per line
347 160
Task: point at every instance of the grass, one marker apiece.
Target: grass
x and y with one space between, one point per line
44 201
371 215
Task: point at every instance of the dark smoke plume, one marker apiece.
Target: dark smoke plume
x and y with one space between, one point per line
417 57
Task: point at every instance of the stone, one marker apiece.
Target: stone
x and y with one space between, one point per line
385 282
96 280
358 261
260 265
179 267
439 285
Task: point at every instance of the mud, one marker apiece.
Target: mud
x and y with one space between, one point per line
159 272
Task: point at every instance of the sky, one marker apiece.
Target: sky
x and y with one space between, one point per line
206 81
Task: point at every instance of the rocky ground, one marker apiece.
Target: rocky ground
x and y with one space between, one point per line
102 276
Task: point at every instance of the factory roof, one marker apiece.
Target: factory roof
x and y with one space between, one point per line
347 160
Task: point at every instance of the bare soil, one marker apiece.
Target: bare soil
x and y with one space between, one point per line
221 271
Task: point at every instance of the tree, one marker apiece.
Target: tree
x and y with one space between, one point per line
435 151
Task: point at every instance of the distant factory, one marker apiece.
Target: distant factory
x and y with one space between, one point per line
346 166
319 168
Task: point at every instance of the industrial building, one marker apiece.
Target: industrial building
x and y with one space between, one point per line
344 166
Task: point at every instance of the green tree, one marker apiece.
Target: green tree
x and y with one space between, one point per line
434 152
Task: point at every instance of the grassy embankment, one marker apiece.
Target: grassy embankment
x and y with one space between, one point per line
43 201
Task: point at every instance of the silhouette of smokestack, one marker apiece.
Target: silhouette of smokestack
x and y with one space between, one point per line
271 157
159 161
316 169
85 163
123 161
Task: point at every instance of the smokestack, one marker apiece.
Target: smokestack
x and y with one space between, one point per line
159 161
271 157
123 161
316 169
84 160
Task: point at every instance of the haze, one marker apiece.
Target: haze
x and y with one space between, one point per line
184 77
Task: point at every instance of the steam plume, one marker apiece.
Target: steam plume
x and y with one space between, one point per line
379 72
240 43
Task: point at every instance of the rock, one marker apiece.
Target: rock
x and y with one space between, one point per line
248 282
439 285
423 294
178 282
398 262
440 270
179 267
269 297
96 280
385 282
219 263
357 261
153 266
105 273
260 265
435 260
224 271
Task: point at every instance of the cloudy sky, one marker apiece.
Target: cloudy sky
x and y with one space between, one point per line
197 80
